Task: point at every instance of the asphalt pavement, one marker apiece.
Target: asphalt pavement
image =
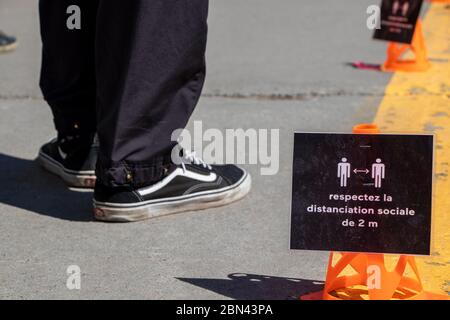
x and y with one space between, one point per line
271 65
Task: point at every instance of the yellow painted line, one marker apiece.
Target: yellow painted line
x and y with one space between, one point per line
420 102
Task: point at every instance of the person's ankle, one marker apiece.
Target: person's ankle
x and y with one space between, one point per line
71 142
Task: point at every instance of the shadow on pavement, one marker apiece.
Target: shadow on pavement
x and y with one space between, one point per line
244 286
27 186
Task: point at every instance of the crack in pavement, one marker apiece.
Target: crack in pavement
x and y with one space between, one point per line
303 96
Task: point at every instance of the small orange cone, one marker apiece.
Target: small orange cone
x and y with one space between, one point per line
392 284
395 50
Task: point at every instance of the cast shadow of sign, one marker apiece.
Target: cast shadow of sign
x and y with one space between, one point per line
27 186
244 286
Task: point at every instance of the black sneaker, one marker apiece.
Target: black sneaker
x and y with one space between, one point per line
72 159
190 186
7 43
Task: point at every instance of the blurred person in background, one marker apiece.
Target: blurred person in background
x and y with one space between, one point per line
7 43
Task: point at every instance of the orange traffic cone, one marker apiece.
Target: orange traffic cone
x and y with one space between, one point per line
370 272
395 51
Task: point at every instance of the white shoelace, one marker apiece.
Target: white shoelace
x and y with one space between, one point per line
190 157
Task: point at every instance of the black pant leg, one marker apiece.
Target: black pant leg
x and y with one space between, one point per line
150 62
68 65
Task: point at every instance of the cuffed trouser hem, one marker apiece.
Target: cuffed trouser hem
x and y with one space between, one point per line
132 174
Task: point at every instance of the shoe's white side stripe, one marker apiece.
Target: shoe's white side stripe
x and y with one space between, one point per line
59 165
206 193
178 172
200 185
62 153
200 177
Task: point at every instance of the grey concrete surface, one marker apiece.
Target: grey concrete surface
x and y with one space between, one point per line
257 51
255 47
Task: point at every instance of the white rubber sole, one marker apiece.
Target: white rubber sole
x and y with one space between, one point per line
9 47
77 179
162 207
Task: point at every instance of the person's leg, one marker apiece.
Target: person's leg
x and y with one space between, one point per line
150 72
69 87
150 60
68 66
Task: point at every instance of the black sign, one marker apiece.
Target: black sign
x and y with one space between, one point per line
398 20
362 193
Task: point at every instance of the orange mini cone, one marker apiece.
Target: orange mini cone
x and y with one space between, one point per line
439 1
371 279
419 63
